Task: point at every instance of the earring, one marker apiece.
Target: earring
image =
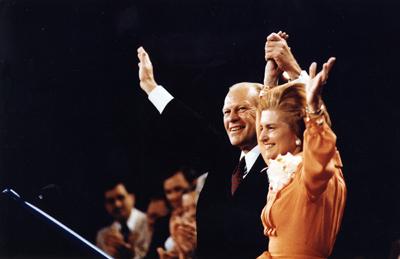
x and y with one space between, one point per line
298 142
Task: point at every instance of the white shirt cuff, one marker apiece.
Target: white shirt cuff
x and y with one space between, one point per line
160 97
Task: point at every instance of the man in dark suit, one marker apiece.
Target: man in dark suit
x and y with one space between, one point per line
230 204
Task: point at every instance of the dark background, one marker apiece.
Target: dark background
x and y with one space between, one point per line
72 113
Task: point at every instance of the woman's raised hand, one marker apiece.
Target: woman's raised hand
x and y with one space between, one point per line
315 84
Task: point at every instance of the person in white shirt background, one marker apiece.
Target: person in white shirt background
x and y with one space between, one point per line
128 236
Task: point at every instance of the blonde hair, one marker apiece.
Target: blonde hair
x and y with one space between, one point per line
289 98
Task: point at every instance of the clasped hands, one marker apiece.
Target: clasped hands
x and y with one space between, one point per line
280 59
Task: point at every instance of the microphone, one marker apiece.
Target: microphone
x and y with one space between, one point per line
52 221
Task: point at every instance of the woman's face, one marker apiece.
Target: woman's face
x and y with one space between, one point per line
275 135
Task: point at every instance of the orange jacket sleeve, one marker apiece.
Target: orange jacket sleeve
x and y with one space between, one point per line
320 157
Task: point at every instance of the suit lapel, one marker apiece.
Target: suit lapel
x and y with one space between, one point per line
254 176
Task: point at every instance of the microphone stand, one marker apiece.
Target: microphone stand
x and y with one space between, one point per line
52 221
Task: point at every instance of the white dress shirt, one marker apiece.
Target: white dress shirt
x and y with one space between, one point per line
250 158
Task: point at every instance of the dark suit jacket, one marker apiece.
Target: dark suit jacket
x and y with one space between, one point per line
227 226
160 235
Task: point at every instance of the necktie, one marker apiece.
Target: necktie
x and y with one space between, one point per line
125 232
237 175
124 253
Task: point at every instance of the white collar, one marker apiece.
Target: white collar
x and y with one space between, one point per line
250 158
131 222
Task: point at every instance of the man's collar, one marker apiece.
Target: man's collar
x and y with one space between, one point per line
250 158
130 222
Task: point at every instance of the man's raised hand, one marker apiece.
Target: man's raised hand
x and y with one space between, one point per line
146 75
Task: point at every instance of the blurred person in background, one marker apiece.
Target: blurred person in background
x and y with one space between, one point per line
128 236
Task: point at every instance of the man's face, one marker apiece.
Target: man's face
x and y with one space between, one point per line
174 188
240 117
155 210
119 203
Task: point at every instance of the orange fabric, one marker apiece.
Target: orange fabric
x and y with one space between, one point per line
303 218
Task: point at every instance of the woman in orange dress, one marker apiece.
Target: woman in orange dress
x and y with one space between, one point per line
307 191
